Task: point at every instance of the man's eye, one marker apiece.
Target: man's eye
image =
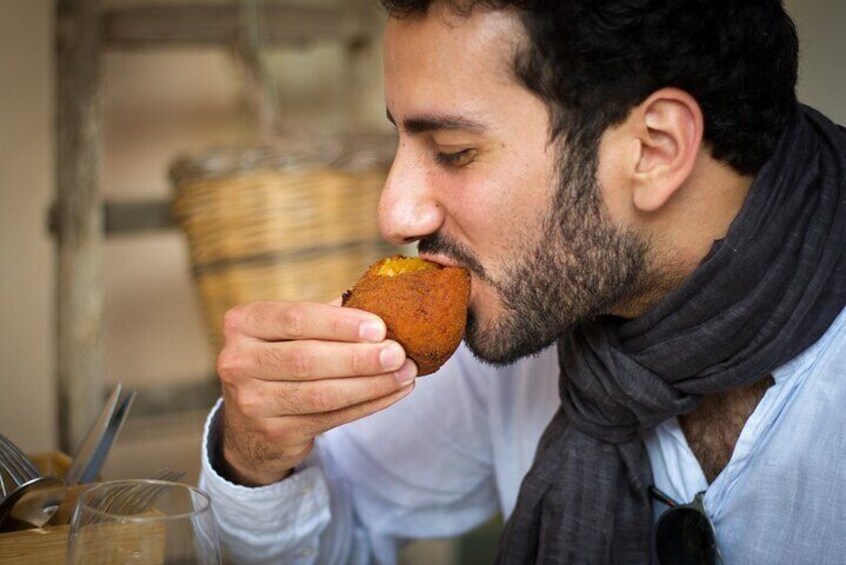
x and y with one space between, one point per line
457 159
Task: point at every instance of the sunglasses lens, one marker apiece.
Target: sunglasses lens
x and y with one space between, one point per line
684 537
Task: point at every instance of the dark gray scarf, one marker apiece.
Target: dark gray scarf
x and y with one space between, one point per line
765 293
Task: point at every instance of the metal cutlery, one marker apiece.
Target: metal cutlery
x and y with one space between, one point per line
34 498
101 452
29 498
80 470
18 466
134 499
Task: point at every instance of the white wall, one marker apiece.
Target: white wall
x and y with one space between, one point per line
27 391
822 64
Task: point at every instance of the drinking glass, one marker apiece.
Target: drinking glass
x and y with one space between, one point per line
143 522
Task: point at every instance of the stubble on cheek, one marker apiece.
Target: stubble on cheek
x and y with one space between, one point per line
579 265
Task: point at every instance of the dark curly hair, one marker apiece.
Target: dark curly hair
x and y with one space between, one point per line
592 61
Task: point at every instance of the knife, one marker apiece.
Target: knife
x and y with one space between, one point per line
95 435
89 474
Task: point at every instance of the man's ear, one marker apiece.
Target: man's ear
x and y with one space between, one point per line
669 128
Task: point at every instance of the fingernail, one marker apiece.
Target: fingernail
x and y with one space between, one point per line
371 330
391 356
406 373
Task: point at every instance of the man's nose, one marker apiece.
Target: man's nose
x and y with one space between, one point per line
408 208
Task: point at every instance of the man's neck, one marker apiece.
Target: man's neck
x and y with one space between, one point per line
684 231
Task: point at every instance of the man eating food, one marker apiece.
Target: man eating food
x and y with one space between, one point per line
654 229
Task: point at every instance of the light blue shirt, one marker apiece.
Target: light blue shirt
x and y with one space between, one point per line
453 454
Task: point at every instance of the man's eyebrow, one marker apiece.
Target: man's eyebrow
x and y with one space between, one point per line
423 124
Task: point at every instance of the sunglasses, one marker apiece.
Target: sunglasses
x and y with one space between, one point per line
684 535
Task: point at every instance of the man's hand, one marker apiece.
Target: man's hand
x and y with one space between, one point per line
293 370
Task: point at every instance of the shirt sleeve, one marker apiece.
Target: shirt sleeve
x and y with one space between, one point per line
420 469
277 523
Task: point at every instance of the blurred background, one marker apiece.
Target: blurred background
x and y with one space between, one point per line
162 98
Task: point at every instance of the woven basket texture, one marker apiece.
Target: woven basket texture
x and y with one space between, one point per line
265 225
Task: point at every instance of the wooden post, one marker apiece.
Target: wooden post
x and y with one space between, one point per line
79 269
261 86
363 53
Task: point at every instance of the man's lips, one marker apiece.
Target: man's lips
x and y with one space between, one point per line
439 259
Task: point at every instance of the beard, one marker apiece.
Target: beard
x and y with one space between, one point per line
580 266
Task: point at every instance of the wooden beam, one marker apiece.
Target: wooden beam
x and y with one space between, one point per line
132 217
79 237
176 397
127 217
168 25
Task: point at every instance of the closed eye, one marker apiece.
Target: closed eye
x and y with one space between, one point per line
455 159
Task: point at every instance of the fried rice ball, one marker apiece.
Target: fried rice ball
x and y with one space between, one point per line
423 304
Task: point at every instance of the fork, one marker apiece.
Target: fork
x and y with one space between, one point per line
143 497
134 499
34 498
18 466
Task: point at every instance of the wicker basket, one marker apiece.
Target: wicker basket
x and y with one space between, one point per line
266 223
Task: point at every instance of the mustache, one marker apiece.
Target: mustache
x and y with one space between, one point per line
455 251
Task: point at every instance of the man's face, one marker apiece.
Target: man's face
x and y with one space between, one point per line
478 183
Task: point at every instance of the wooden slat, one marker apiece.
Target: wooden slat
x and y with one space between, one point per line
176 397
79 236
220 24
121 218
132 217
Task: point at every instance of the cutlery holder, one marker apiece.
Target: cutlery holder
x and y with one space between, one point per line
47 545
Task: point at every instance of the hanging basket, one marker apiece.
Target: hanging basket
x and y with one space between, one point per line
276 223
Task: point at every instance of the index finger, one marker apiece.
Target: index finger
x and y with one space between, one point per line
280 321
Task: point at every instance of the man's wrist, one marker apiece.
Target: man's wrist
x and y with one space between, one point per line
235 475
220 460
